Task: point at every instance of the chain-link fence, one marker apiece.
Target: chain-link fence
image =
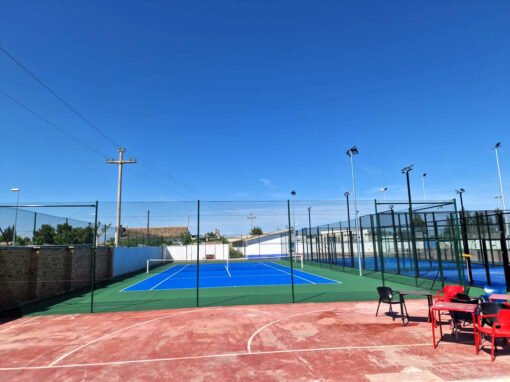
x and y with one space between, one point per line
180 254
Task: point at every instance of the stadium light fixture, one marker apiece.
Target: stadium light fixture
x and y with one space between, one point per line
350 153
384 189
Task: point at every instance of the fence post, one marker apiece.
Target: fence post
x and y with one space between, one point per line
35 227
93 254
504 249
379 241
290 252
438 250
198 249
395 242
456 241
374 249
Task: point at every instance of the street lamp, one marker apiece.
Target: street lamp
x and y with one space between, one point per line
406 171
423 185
384 189
463 226
496 147
460 191
350 153
16 190
250 217
293 193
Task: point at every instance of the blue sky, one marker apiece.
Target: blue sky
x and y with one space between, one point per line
247 100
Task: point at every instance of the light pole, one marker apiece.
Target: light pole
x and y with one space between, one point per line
496 147
16 190
463 227
384 189
423 185
459 192
406 171
251 217
293 193
310 231
350 153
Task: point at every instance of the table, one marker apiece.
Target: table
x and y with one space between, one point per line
413 292
499 297
452 306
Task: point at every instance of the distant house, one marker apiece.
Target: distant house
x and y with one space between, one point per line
163 233
271 244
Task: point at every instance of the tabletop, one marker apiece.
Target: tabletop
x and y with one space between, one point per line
499 297
455 306
416 292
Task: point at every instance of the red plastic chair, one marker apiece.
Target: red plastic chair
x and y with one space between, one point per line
449 292
499 329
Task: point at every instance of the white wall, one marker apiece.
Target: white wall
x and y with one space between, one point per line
126 260
189 252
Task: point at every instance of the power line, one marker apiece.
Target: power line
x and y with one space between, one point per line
63 131
25 107
89 123
76 112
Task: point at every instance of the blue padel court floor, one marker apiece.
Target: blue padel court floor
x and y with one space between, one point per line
184 276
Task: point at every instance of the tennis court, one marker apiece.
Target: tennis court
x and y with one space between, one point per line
223 274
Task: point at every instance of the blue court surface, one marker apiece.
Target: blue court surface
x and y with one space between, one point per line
264 273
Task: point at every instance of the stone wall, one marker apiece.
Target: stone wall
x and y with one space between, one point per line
28 274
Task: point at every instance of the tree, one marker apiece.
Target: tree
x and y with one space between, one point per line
186 238
45 235
256 231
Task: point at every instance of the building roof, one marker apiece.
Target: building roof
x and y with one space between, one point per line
168 232
250 237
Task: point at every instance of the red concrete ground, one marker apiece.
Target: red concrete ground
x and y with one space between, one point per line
301 342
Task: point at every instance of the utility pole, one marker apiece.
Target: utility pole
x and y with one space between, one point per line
251 217
120 162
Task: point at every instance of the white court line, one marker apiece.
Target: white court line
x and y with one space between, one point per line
173 274
145 279
226 268
290 351
302 278
21 323
248 346
115 332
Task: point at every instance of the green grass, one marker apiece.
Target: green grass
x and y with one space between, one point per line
109 298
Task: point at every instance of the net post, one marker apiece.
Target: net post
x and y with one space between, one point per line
93 254
290 252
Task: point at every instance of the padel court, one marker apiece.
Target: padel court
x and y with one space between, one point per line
221 275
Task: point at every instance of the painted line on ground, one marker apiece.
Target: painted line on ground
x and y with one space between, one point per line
248 345
115 332
268 352
147 278
226 268
281 270
173 274
20 324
